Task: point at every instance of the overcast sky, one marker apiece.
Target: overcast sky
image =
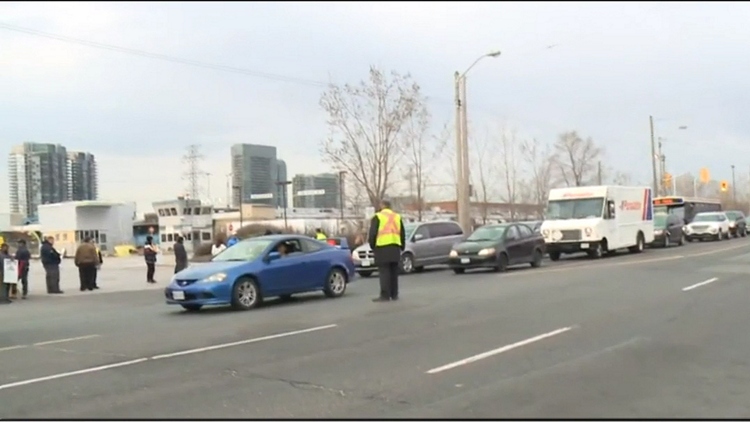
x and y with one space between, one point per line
599 68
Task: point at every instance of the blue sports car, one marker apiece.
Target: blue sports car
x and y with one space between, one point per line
262 267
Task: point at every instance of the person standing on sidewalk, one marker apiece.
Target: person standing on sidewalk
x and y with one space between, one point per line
51 262
149 255
87 260
23 256
180 255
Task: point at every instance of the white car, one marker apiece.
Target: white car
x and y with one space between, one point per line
708 225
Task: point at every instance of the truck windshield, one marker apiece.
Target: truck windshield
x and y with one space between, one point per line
565 209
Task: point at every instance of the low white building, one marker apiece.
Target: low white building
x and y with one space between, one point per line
184 217
110 224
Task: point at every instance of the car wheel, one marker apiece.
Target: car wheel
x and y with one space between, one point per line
365 274
638 248
459 270
502 263
554 256
192 308
336 283
246 294
597 252
744 232
407 263
536 260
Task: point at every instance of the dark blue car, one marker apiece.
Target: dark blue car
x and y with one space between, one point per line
259 268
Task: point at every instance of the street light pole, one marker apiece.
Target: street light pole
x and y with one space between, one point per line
341 199
282 184
734 187
653 156
463 199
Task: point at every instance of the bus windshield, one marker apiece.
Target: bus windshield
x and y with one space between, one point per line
566 209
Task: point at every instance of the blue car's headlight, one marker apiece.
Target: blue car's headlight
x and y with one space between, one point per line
216 278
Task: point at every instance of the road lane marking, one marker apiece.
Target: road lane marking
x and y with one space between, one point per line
44 343
497 351
702 283
65 340
158 357
71 374
240 343
713 251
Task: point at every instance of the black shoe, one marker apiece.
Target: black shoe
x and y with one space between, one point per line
394 298
381 299
59 292
96 287
91 289
83 289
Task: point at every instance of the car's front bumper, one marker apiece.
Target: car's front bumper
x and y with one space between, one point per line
199 294
701 236
570 247
472 261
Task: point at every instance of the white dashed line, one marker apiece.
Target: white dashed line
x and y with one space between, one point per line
157 357
497 351
702 283
65 340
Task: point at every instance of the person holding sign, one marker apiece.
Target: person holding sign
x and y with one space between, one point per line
8 273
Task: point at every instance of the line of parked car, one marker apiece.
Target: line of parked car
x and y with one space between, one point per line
254 270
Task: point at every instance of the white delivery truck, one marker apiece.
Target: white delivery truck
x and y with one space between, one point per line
598 220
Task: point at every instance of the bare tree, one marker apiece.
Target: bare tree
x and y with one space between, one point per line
541 163
621 178
576 159
423 150
366 125
485 172
510 173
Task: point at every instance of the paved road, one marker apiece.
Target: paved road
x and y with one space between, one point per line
630 336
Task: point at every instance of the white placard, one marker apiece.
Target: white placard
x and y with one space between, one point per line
261 196
10 271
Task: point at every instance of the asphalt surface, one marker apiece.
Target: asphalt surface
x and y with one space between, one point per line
631 336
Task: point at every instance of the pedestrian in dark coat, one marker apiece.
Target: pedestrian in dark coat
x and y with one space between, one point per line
388 254
149 255
51 262
180 255
87 260
23 256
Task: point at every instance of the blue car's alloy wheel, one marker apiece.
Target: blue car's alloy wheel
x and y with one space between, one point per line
336 283
245 294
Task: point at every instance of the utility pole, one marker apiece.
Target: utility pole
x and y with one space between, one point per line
282 184
599 173
460 187
734 187
465 200
341 200
653 156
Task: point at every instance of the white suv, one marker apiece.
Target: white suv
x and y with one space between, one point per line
708 225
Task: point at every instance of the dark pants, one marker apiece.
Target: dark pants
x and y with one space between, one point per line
24 279
388 272
150 269
87 276
179 267
52 277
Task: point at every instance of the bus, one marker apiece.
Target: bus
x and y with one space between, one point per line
685 207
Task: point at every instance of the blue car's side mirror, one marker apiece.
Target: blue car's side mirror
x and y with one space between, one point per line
273 256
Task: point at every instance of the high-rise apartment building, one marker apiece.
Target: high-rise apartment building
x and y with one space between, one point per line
44 174
255 173
82 177
316 190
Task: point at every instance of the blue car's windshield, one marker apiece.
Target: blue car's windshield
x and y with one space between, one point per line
246 250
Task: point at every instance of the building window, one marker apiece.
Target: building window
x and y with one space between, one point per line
197 211
173 211
188 236
206 236
65 237
161 212
102 238
169 237
163 237
187 211
57 236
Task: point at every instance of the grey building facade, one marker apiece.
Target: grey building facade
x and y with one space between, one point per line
304 185
255 172
82 177
38 174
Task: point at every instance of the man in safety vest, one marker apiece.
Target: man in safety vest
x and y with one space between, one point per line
387 240
320 235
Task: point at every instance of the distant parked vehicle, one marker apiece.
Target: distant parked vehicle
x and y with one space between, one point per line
737 223
427 243
708 226
668 230
261 267
498 246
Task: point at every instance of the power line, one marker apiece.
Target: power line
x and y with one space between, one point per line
164 57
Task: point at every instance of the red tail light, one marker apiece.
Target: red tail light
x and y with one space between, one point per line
332 242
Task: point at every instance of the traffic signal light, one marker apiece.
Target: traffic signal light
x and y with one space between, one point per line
667 179
724 186
705 175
